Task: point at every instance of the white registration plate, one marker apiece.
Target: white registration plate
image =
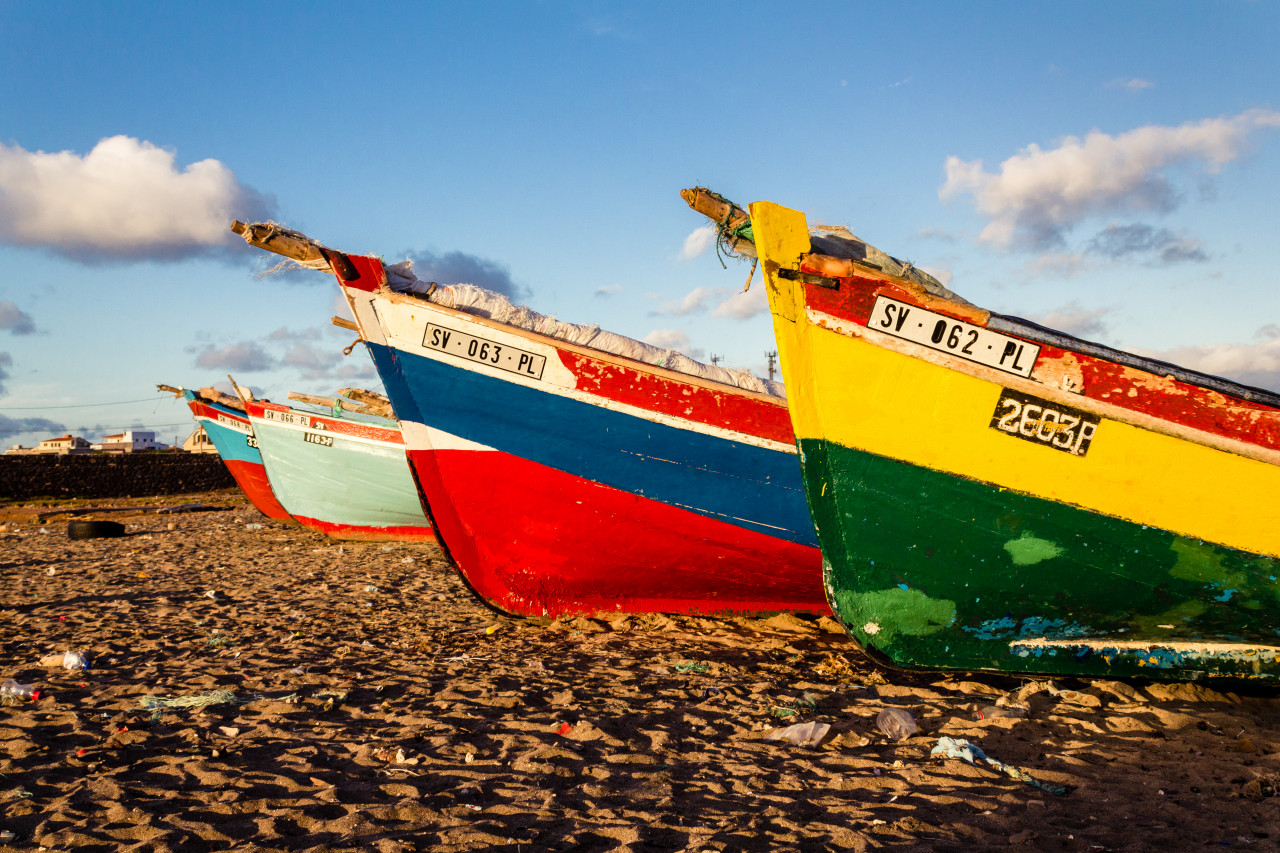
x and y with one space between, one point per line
479 350
232 423
955 337
287 418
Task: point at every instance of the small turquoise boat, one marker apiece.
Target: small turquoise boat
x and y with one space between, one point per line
340 473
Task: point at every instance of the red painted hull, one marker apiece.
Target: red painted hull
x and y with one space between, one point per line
518 552
252 480
403 533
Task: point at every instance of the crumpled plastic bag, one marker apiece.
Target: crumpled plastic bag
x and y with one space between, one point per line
896 723
801 734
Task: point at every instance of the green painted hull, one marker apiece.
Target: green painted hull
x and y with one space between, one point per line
935 570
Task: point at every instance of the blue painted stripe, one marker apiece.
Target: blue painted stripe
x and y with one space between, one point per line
752 487
232 446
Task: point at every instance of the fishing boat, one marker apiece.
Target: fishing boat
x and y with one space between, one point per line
990 494
571 470
340 470
225 422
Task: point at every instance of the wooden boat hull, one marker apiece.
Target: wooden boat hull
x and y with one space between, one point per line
342 478
600 484
232 435
1065 514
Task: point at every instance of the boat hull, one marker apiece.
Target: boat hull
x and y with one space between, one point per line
599 485
233 438
959 534
343 479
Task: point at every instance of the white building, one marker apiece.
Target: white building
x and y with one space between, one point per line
63 445
130 441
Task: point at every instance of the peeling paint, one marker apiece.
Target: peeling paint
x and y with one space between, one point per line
895 612
1031 626
1027 550
1157 655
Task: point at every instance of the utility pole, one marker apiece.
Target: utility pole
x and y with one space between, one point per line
773 362
716 359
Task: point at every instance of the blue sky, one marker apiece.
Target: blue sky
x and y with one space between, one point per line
1110 169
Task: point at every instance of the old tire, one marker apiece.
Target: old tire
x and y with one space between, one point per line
94 529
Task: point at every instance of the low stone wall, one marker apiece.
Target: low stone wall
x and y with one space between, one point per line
99 475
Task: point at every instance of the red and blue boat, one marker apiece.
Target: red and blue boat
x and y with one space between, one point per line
567 474
224 420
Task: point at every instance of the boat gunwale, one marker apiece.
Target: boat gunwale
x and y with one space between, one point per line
342 423
1035 333
605 356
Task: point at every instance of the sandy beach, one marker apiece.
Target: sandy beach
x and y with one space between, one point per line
255 686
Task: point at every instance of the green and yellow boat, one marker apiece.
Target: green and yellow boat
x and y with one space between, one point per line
993 495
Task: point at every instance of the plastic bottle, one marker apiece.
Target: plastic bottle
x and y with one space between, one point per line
992 711
9 687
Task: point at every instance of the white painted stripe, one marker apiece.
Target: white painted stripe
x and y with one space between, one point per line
412 345
422 437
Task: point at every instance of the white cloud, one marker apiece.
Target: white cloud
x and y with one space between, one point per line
698 241
942 274
1256 364
673 339
1132 84
692 302
14 319
1039 195
609 290
744 305
124 200
1089 324
245 355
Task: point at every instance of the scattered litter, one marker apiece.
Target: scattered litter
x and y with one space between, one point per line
52 571
1261 787
157 704
564 729
801 734
990 712
492 629
462 659
370 588
66 660
6 836
960 748
469 806
298 670
408 560
782 712
229 731
692 666
896 723
1022 837
254 526
12 690
173 510
1074 697
213 595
